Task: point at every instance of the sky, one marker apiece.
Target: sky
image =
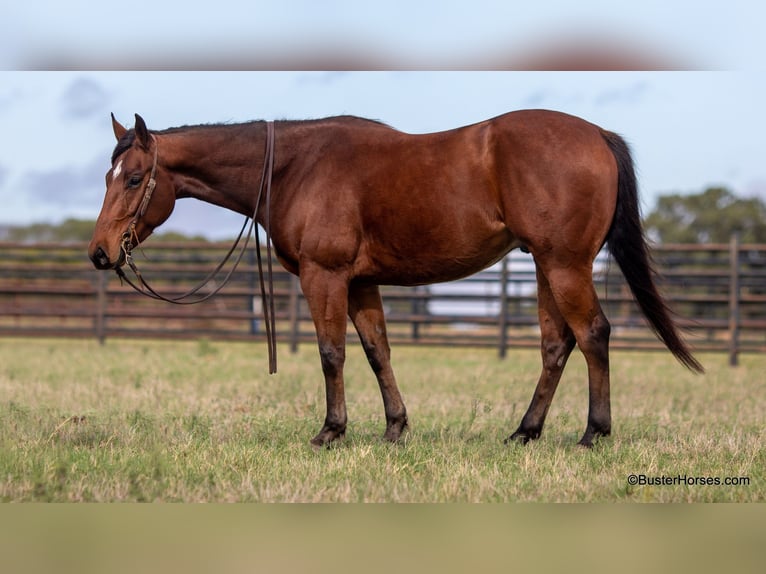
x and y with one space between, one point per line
688 130
392 34
439 65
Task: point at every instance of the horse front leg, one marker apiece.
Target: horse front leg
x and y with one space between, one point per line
365 308
327 296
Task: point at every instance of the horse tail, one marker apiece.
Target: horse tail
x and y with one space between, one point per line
628 246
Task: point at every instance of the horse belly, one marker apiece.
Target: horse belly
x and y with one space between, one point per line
424 257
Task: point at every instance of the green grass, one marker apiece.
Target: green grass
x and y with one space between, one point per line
202 421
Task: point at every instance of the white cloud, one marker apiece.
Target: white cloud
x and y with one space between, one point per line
84 98
72 186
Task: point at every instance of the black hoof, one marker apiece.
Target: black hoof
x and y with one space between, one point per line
522 437
591 436
326 437
395 429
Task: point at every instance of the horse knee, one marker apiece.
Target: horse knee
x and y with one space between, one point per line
332 357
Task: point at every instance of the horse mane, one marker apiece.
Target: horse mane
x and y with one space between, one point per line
246 125
126 141
345 119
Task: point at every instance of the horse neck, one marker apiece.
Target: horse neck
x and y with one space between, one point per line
221 165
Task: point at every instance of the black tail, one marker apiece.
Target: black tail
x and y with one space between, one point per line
628 246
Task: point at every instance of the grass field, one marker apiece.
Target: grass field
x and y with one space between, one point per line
202 421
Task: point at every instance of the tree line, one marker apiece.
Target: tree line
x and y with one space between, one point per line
711 216
73 230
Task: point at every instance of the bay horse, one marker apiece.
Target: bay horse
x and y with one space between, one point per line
356 204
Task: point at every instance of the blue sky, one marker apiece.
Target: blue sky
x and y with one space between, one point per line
688 130
394 34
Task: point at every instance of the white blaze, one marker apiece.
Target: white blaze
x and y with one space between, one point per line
117 170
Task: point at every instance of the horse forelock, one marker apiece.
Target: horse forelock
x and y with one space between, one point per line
124 144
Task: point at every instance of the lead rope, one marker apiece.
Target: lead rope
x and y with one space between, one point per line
269 317
267 301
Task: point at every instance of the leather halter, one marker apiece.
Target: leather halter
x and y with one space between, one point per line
267 298
130 233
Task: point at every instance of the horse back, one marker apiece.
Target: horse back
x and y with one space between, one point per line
399 208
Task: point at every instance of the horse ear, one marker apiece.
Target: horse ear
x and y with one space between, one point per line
142 133
119 129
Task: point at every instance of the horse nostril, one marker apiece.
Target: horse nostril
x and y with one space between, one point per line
100 260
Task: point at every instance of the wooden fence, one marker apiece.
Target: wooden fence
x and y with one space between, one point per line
717 290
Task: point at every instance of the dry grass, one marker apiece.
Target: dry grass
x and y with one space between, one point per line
201 421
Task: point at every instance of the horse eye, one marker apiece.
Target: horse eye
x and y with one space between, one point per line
135 180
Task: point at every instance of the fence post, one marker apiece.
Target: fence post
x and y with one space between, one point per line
294 314
734 300
255 300
503 339
416 308
101 283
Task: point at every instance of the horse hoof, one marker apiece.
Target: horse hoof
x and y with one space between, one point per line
326 437
589 438
395 430
523 436
318 446
517 437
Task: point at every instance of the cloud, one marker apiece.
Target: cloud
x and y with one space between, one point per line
10 97
536 99
84 98
79 191
629 94
71 186
320 78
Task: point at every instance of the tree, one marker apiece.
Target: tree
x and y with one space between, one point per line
70 230
73 230
708 217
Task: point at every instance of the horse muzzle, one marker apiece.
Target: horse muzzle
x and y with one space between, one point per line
101 260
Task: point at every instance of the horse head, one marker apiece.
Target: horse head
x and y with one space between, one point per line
139 196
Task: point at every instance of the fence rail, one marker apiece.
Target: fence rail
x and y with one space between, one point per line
717 290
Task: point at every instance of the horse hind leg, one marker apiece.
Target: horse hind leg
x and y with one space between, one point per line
366 312
576 299
556 344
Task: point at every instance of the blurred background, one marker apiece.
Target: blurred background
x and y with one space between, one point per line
339 34
690 131
682 81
